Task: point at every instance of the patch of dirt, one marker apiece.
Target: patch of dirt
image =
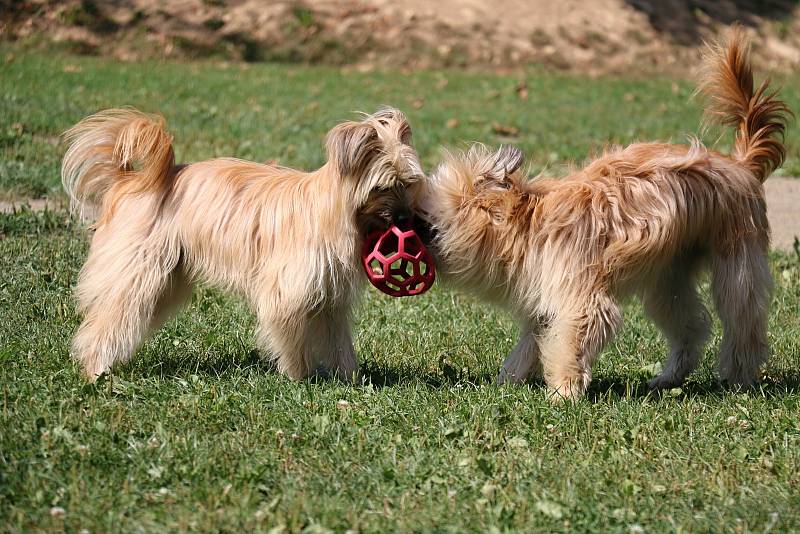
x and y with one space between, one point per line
34 204
596 37
783 198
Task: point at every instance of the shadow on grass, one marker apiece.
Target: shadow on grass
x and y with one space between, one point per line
381 376
446 376
172 365
602 389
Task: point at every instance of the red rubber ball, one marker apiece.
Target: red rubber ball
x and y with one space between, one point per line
398 263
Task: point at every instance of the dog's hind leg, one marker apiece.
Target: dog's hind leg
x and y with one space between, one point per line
742 287
573 340
674 304
523 362
176 292
120 287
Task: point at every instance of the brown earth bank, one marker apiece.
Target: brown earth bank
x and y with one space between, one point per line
595 37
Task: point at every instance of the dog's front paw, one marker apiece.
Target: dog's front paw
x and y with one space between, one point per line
662 382
348 376
507 377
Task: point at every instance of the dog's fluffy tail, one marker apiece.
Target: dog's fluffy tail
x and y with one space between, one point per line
113 153
757 115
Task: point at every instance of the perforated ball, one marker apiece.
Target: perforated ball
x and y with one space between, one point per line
398 263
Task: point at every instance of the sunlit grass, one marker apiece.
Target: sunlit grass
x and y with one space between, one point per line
198 433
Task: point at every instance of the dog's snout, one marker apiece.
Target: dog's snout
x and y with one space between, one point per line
402 218
425 231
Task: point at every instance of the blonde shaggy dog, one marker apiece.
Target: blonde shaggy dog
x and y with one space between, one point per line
287 240
640 220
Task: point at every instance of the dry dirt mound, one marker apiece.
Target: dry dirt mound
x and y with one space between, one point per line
595 37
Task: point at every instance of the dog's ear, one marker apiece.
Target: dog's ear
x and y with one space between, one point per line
352 146
509 158
395 122
497 167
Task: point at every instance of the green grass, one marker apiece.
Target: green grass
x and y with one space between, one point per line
197 433
266 112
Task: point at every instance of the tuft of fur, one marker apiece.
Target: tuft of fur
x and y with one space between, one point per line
757 115
644 220
289 241
123 150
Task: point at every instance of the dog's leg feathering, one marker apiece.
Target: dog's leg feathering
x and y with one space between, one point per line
302 342
573 340
675 306
334 345
742 287
523 362
121 292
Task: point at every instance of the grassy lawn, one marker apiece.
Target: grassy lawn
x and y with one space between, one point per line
267 112
197 433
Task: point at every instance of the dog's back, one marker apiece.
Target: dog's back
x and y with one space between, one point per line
672 199
659 201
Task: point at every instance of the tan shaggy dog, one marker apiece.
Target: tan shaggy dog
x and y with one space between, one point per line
646 219
288 241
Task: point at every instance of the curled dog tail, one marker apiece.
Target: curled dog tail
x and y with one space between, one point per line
757 115
113 153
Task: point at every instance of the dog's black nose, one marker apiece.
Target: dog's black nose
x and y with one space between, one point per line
425 231
402 219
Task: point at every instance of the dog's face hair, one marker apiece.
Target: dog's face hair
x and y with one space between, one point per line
377 160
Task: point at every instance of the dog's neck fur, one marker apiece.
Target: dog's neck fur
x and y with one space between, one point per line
339 235
481 228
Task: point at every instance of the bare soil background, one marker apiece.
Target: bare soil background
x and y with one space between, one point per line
783 199
596 37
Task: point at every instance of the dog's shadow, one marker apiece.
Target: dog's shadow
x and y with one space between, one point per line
220 366
445 376
381 376
600 390
372 373
618 387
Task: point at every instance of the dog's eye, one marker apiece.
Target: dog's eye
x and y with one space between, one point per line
395 189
